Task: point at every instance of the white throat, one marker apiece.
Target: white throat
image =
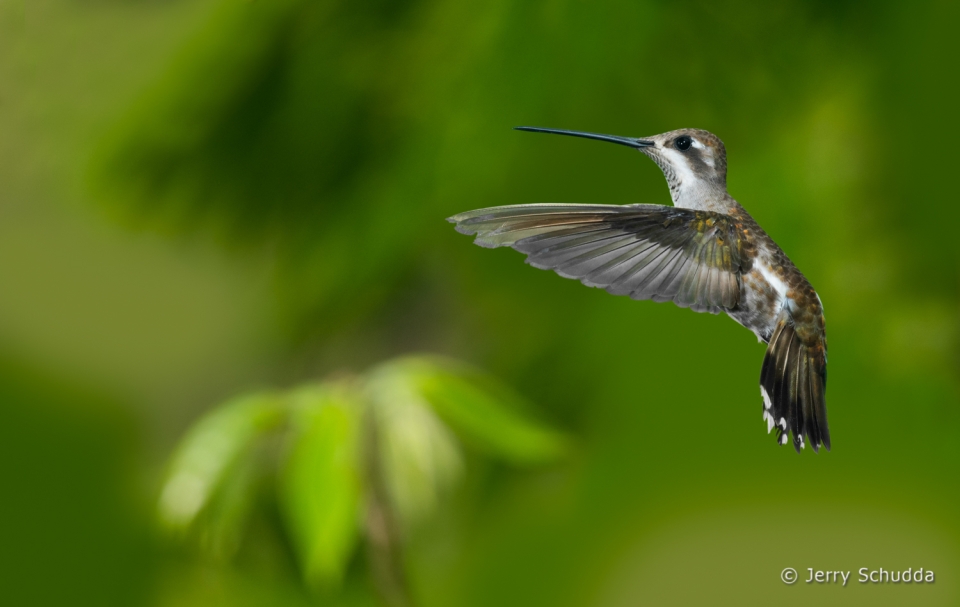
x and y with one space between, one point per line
687 189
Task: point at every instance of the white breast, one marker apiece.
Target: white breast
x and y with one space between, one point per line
774 281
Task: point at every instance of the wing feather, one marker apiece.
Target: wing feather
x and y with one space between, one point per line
608 272
692 258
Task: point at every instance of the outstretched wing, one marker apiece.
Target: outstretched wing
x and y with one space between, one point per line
693 258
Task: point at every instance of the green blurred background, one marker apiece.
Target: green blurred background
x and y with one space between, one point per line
200 198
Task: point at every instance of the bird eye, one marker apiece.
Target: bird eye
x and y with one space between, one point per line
682 142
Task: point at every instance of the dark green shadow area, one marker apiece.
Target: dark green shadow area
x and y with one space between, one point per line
72 532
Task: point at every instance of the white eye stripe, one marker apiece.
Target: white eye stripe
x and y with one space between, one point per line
697 144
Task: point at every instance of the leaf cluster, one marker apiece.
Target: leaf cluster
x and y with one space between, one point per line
347 460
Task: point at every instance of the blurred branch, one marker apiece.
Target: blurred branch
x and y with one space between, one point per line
383 530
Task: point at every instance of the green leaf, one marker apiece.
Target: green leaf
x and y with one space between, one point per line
418 458
212 468
320 489
483 411
221 525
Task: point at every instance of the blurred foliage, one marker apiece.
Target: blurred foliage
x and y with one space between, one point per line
366 456
321 146
337 135
321 484
216 468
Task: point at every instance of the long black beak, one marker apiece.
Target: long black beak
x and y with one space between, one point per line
628 141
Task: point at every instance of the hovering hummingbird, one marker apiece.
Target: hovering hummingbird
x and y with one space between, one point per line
705 253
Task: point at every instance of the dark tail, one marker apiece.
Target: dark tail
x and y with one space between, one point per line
793 382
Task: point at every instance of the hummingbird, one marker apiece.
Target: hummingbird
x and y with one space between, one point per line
705 253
